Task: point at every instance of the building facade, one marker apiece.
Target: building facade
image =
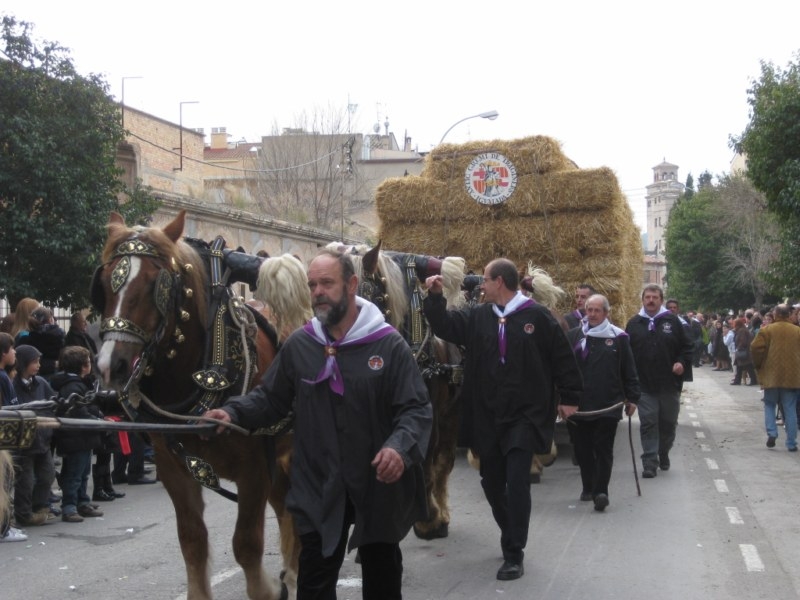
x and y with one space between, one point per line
170 160
662 194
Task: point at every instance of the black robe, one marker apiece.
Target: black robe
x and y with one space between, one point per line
385 404
511 405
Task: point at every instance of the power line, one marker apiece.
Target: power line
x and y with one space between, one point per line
217 166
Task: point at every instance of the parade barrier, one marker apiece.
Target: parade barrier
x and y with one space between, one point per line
573 223
18 424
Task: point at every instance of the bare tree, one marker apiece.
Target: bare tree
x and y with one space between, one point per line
751 233
305 173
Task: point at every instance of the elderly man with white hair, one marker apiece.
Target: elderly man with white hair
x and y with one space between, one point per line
604 356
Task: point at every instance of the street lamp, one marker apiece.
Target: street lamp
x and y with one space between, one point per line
491 115
180 128
122 102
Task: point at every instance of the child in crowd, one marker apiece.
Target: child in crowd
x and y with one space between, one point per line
75 447
35 470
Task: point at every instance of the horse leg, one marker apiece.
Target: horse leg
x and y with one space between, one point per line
248 537
290 542
440 460
187 499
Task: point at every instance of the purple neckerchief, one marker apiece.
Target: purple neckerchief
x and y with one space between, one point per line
370 326
577 314
603 330
517 303
652 325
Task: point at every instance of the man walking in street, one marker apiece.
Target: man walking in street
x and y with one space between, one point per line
604 356
776 356
663 354
362 421
518 356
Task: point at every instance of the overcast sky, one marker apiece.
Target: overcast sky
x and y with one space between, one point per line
619 84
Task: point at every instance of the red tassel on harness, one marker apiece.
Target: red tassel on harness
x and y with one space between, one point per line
124 442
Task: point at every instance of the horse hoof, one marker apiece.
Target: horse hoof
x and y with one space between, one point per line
284 592
435 533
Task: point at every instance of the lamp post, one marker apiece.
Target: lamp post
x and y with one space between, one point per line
122 101
180 129
491 115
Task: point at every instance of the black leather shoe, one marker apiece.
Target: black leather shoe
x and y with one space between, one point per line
663 462
770 441
586 496
600 502
102 496
510 571
140 481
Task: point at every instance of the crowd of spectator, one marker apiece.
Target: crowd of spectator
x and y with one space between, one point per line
39 361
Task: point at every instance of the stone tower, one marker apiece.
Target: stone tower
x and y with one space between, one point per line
661 197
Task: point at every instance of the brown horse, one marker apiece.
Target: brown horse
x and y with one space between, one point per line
176 342
391 280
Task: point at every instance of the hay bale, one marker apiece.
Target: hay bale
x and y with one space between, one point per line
418 200
575 224
530 155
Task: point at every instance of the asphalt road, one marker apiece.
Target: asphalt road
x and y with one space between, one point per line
722 523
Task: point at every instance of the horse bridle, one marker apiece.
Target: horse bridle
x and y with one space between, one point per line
169 294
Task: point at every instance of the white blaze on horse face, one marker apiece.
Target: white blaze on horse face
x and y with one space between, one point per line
107 349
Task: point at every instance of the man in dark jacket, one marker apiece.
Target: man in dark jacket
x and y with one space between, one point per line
663 354
609 378
582 293
517 357
362 421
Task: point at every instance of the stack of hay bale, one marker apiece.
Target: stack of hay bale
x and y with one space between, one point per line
573 223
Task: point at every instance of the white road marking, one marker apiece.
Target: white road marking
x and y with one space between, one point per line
351 582
692 415
733 515
712 464
752 560
696 424
219 578
699 435
721 486
705 447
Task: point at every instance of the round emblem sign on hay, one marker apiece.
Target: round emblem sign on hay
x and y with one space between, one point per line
490 178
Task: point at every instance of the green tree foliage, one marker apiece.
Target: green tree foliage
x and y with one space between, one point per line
693 254
720 244
138 204
688 190
59 133
771 143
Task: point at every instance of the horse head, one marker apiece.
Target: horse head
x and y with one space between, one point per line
151 294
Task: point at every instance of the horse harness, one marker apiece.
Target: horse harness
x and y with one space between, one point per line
229 355
416 329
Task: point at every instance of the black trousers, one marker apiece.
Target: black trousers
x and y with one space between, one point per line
35 474
129 466
751 372
594 449
381 567
506 483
